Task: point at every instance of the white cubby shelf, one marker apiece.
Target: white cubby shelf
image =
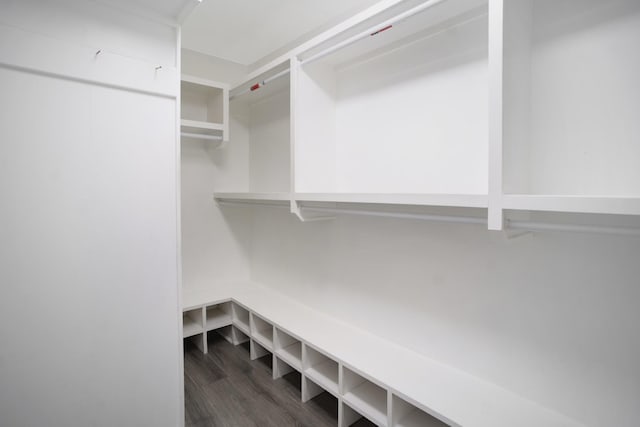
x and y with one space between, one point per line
192 323
371 377
262 331
289 349
457 103
364 396
322 370
204 109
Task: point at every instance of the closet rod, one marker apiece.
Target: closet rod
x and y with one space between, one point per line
260 84
596 229
401 215
372 31
201 136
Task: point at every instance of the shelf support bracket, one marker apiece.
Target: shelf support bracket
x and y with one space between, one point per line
296 209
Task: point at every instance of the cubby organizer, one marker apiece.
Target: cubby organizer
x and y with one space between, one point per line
204 109
370 377
490 105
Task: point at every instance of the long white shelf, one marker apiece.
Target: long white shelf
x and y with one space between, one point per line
252 196
370 401
576 204
451 395
325 374
453 200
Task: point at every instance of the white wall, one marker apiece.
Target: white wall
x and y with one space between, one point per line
213 244
553 317
89 316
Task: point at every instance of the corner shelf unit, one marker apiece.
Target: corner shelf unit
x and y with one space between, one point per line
370 377
451 103
204 109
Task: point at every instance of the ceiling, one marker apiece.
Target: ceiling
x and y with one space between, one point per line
245 31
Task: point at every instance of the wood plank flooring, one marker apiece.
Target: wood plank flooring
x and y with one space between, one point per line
225 389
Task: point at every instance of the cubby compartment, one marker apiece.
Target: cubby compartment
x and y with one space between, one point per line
404 111
288 349
240 318
204 108
571 106
404 414
192 322
321 369
218 316
365 397
238 336
258 351
257 158
262 331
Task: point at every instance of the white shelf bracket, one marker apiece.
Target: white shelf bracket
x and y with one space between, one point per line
296 209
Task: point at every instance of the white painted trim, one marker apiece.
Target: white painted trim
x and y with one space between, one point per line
496 15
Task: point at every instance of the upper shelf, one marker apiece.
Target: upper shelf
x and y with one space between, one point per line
576 204
204 108
452 200
457 200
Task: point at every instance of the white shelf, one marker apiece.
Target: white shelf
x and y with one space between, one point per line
578 204
250 196
204 108
370 401
454 200
217 318
325 374
570 105
292 354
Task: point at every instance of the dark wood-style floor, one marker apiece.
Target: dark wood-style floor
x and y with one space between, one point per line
225 389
